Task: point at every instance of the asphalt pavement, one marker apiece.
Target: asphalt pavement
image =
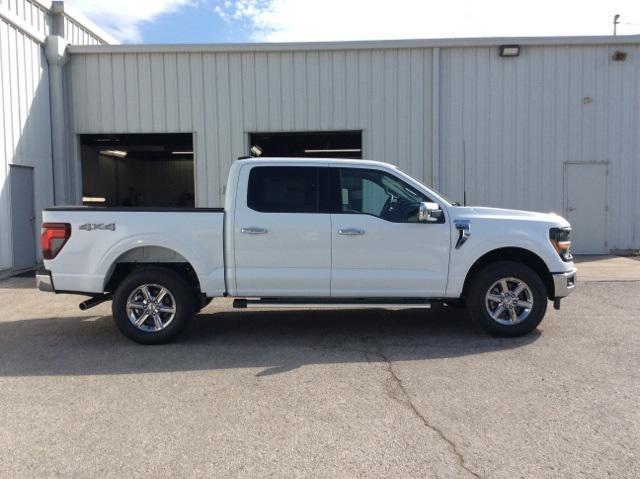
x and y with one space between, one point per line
343 394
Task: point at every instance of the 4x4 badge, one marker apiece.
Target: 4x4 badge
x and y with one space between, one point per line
98 226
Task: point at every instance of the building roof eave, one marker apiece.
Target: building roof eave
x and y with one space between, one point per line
360 45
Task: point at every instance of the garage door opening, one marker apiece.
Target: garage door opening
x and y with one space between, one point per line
150 170
314 144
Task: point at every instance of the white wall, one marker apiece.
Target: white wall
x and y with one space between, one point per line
25 132
32 14
25 120
222 96
520 118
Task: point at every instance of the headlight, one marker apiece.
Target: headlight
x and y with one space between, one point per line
561 242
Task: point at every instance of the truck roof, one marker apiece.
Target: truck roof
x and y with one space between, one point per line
341 161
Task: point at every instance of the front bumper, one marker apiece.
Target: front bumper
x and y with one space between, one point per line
564 283
44 281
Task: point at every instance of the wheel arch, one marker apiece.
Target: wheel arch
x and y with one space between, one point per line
150 256
521 255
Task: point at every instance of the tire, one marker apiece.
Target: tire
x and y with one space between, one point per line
138 295
487 296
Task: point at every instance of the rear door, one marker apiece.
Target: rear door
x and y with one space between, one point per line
22 217
379 249
587 207
282 240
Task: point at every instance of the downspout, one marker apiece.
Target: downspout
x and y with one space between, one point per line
55 50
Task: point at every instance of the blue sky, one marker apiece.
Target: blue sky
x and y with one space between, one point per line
222 21
194 24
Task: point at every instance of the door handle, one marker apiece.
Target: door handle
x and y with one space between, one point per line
351 232
253 230
571 208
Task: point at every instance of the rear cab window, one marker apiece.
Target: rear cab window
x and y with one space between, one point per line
290 189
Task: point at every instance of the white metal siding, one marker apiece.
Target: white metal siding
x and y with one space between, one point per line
25 132
25 120
30 13
76 34
222 96
520 119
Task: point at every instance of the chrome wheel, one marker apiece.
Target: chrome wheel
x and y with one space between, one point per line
151 307
509 301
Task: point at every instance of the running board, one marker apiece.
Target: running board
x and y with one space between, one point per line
336 303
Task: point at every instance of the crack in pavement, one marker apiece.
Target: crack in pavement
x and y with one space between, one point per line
398 393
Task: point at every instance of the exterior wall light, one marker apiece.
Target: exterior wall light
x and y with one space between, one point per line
509 51
619 56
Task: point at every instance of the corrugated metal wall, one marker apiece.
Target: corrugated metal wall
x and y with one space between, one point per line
31 13
25 121
76 34
519 119
221 96
25 132
522 119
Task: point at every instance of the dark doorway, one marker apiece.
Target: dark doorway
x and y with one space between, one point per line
138 170
313 144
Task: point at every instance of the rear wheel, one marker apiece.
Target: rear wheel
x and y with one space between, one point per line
507 299
153 305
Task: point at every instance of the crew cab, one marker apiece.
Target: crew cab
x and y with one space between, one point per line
310 233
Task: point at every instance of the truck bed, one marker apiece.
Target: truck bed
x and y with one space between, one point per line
102 237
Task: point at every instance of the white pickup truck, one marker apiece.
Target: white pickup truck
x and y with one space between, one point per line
310 233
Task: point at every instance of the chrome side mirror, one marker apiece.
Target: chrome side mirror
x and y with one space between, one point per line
429 212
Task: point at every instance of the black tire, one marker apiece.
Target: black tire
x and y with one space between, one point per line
179 298
483 284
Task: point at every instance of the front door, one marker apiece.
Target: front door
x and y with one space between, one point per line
587 207
378 247
282 240
22 217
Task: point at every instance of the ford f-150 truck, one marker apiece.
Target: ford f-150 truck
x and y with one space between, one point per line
310 233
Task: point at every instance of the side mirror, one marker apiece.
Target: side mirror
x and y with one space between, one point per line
429 212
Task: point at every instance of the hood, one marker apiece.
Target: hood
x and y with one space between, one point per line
502 213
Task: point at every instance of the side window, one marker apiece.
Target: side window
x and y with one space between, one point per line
283 189
379 194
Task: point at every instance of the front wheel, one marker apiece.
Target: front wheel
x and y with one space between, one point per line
507 299
153 305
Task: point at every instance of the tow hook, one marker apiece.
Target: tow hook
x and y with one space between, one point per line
95 301
556 303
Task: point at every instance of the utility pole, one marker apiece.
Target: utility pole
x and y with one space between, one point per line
616 22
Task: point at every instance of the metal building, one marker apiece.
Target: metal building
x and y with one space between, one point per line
550 124
556 128
33 36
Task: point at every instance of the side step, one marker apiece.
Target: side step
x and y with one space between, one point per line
332 303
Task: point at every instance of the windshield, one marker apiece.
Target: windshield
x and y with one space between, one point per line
401 190
450 202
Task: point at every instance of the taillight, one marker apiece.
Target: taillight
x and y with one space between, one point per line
53 238
560 239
